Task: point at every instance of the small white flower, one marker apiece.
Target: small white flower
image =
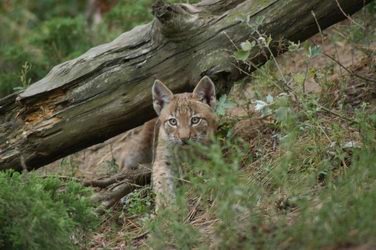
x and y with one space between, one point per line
283 94
351 144
269 99
261 40
260 105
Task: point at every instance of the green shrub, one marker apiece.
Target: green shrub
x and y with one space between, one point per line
139 202
62 38
343 213
127 14
12 60
40 33
43 213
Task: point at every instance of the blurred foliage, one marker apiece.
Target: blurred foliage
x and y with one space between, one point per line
39 34
297 199
44 33
32 208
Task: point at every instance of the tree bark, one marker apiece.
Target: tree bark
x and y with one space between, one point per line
106 91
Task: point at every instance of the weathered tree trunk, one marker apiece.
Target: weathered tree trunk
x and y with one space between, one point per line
107 90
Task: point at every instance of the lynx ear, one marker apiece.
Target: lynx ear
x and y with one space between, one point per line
205 91
161 96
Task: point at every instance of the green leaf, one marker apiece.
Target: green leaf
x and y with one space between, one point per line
268 40
314 51
269 99
282 113
294 46
222 105
299 78
247 45
241 55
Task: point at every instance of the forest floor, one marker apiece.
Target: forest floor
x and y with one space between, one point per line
296 143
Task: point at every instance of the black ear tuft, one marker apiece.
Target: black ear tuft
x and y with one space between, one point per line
161 96
205 91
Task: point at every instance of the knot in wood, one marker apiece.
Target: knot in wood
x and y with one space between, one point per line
175 19
163 11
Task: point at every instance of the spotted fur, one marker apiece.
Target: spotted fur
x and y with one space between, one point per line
182 118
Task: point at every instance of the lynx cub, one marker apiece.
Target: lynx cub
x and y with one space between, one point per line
181 118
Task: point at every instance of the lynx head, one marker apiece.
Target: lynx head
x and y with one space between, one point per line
188 116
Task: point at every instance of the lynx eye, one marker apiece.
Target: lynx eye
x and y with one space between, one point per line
173 122
195 120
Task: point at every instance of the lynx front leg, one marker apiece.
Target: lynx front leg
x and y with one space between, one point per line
163 185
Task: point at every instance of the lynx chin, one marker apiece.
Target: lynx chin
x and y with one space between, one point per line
182 118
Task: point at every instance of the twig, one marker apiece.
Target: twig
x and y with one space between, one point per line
141 235
274 59
23 164
318 26
348 17
305 77
348 70
323 131
241 70
63 177
336 114
229 38
193 212
334 59
183 180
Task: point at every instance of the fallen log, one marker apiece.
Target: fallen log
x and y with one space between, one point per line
106 91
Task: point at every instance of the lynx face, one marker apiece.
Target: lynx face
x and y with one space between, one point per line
186 117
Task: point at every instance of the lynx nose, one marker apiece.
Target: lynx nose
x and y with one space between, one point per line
184 136
184 141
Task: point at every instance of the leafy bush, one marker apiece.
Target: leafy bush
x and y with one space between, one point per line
127 14
139 202
62 39
43 213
